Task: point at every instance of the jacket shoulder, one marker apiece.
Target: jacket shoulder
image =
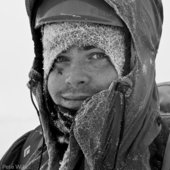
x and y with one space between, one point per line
164 97
12 156
158 146
164 100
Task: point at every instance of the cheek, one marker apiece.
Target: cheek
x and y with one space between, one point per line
54 84
105 76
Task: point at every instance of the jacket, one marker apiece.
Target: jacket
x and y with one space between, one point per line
121 127
22 149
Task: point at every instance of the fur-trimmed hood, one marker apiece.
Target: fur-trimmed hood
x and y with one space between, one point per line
117 133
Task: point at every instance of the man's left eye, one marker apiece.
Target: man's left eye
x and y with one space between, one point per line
96 56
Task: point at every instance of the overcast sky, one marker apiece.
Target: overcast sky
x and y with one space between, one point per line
17 114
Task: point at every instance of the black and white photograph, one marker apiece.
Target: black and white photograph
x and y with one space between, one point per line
85 85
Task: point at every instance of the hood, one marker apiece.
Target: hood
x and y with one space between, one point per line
127 124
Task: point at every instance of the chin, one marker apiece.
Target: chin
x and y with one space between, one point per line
72 107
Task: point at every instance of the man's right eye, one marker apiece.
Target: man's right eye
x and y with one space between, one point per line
61 59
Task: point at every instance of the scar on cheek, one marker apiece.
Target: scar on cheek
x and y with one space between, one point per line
60 71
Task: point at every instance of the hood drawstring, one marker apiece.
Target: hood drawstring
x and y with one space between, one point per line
32 100
125 88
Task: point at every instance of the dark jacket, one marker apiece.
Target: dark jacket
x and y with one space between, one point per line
23 148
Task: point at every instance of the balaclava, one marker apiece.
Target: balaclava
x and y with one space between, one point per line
59 37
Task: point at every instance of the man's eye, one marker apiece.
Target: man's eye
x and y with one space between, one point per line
61 59
98 56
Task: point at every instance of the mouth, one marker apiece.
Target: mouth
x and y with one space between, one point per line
75 96
73 101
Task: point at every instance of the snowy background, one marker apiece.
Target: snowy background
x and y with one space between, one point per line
17 114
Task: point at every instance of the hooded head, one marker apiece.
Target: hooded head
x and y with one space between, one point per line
67 24
80 60
55 12
128 108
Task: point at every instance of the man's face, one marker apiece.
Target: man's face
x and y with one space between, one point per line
78 74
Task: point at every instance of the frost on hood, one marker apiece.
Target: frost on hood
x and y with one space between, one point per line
61 36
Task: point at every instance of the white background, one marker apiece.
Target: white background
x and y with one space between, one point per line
17 114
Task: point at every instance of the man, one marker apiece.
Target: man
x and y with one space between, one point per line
94 80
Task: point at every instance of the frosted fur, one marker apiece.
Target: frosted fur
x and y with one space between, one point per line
61 36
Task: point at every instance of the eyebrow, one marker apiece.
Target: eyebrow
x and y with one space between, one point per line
86 48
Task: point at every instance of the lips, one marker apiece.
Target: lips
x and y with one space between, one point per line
73 101
75 96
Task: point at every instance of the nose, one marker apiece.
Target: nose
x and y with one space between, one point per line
77 77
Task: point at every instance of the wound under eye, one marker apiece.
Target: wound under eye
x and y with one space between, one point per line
60 71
